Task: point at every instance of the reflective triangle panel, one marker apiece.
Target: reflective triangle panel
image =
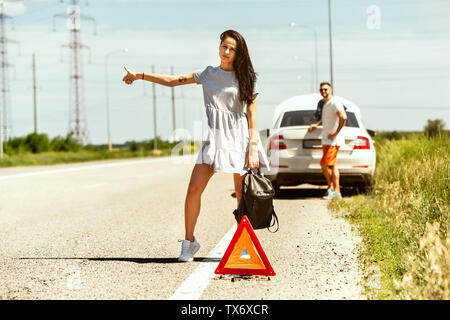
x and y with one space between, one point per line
235 260
257 262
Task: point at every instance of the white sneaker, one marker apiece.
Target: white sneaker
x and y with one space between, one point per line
188 249
329 192
328 195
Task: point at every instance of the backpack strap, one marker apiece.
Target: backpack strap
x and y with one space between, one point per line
274 220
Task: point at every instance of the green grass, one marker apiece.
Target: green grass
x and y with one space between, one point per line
382 245
404 220
87 154
39 149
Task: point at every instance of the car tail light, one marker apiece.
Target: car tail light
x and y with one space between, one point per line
277 143
362 143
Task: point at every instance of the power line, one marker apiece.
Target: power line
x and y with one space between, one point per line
77 113
362 106
407 107
5 109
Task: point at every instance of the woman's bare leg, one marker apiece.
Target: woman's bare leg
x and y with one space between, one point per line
238 185
199 179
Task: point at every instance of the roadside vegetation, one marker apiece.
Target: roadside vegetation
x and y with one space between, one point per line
404 220
38 149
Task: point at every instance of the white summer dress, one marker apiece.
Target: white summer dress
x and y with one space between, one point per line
227 143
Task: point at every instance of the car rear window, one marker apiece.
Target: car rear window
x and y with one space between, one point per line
306 117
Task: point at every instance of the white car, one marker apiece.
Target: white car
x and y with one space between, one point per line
294 152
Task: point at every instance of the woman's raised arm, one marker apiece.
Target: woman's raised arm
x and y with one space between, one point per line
165 80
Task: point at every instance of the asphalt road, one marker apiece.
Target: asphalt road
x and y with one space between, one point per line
109 230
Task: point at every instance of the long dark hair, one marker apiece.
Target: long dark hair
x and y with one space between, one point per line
242 66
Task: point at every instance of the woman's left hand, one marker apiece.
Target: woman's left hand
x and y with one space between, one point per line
252 158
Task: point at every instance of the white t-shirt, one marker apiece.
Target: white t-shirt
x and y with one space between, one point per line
330 122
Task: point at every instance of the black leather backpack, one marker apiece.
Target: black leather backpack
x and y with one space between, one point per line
257 202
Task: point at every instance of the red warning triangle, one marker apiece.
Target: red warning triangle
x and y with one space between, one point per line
244 255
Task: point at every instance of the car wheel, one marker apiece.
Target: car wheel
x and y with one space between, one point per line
362 188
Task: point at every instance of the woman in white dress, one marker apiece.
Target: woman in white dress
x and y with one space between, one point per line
233 144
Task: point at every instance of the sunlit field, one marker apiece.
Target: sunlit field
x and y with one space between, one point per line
404 220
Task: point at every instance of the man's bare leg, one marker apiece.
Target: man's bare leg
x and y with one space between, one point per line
327 172
335 179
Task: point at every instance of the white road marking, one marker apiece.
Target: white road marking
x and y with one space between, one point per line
193 287
95 166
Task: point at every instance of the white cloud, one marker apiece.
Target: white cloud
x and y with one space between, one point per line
14 8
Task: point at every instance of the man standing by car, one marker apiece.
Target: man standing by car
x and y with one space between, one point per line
333 119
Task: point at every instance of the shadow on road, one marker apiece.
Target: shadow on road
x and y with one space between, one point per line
135 260
299 192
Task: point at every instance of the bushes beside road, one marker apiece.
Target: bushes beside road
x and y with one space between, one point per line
38 143
38 149
404 220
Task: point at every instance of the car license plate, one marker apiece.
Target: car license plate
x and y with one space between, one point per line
312 144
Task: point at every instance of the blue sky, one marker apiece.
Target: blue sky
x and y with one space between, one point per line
399 74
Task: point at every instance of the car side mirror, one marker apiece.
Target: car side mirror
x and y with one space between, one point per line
371 133
264 132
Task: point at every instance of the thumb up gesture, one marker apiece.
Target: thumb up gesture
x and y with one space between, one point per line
129 77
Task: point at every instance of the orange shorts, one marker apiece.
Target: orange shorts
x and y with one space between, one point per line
329 155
